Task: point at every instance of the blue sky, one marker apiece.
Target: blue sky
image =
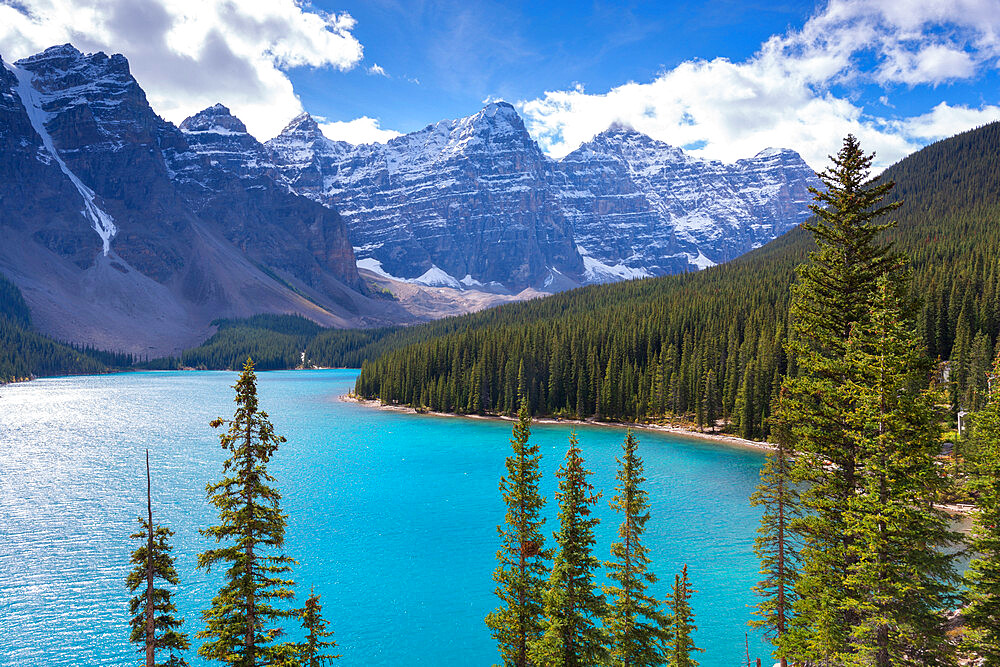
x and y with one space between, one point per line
463 52
724 79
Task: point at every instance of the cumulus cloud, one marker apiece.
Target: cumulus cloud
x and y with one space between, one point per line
362 130
786 93
188 56
377 70
945 120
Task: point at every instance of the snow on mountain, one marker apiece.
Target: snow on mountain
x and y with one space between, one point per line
650 206
102 223
475 197
469 196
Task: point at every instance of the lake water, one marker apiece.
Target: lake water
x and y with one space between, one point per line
392 516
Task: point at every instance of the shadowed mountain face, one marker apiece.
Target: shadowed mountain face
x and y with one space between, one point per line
474 201
127 232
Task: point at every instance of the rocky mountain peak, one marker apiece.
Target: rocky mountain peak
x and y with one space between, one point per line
216 119
302 125
498 118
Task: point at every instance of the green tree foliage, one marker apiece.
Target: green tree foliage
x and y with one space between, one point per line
317 640
982 611
834 292
900 574
679 644
155 628
241 625
633 622
24 353
775 545
574 606
522 558
273 341
661 336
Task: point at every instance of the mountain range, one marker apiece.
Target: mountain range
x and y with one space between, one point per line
127 232
474 202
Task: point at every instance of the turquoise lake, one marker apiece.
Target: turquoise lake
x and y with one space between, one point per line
392 516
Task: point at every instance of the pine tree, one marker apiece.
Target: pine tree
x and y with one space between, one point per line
982 611
154 626
633 621
775 545
835 291
679 626
573 604
241 625
520 574
311 650
900 573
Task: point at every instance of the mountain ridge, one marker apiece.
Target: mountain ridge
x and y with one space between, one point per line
399 216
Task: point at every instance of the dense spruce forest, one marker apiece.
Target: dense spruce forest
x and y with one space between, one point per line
709 345
274 342
24 353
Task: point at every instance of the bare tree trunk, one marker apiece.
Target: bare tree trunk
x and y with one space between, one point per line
150 610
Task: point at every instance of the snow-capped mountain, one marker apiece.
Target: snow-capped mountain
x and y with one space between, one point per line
642 207
474 201
461 200
125 231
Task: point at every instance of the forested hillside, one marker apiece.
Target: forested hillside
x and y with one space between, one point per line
25 353
273 341
710 344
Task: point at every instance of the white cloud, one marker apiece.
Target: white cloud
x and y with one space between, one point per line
784 94
188 55
362 130
945 120
377 70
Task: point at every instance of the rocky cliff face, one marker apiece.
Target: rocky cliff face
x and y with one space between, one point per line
234 185
642 207
473 201
463 200
124 231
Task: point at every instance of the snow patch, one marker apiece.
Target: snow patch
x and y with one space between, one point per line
701 261
596 271
770 152
435 277
375 266
103 223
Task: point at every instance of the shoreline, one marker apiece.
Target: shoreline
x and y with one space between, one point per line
717 438
955 509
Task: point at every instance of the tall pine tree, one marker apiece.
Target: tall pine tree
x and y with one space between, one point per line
900 574
775 545
154 626
242 623
982 611
633 622
679 645
522 569
834 292
573 604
